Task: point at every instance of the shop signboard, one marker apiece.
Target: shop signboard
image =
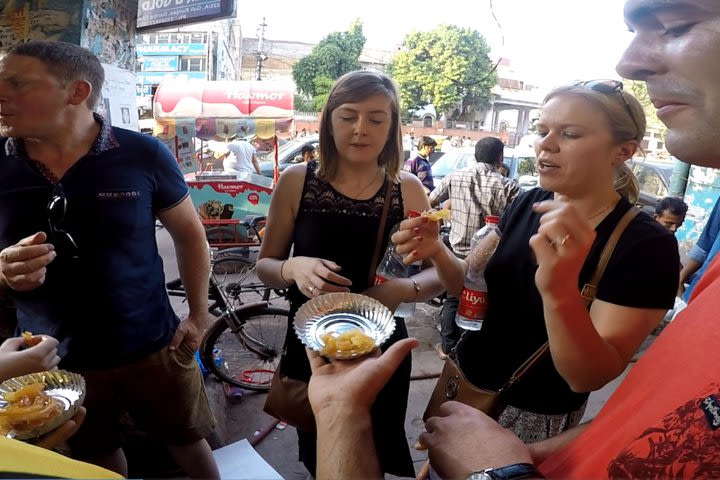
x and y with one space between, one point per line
155 78
157 14
162 49
160 64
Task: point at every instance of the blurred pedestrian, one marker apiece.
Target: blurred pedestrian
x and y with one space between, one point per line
420 165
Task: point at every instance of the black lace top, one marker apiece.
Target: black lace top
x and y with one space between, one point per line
334 227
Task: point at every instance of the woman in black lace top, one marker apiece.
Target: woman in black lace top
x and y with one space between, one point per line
330 217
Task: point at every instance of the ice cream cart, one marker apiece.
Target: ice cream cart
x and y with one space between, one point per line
192 112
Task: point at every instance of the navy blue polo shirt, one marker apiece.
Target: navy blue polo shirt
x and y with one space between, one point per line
109 306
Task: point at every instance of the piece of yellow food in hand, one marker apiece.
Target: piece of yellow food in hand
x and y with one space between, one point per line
346 344
29 340
436 215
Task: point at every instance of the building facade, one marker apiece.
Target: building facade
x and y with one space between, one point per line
207 51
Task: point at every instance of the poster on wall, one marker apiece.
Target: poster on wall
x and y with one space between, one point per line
22 21
119 103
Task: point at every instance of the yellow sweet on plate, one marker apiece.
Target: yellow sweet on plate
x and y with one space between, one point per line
348 344
436 215
27 408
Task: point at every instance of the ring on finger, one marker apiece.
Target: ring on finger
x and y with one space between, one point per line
560 240
311 288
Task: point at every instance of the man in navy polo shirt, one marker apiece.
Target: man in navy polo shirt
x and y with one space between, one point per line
78 255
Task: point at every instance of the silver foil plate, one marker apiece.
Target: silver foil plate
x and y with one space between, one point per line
335 313
67 388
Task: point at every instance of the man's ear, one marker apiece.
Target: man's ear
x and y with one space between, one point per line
80 91
656 216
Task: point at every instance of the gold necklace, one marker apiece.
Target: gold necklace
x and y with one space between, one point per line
355 197
600 212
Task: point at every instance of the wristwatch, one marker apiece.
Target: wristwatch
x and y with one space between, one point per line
509 472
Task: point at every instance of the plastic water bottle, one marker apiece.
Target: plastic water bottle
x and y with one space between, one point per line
392 266
405 310
473 300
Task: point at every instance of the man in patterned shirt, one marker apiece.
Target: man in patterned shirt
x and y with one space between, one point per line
474 192
420 165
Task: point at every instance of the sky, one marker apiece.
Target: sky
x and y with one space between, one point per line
549 42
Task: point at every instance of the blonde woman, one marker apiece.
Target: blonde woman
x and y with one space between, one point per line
551 241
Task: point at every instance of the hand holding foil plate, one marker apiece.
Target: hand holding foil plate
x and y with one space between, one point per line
337 313
62 393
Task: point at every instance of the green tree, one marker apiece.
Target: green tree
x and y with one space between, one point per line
638 89
448 66
335 55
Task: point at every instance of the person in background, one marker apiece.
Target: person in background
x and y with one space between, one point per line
474 193
670 212
329 218
309 155
661 421
552 238
78 205
240 157
420 165
701 255
504 170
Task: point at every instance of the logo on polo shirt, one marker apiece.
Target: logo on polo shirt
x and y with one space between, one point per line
129 194
711 409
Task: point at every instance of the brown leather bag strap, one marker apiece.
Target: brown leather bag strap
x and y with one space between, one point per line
588 291
380 233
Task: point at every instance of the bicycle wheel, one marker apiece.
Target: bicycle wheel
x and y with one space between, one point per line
232 265
251 354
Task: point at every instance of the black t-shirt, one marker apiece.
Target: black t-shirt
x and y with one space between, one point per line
642 272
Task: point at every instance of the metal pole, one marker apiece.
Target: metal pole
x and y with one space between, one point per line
679 179
259 54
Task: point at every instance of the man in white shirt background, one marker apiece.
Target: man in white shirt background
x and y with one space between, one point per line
240 158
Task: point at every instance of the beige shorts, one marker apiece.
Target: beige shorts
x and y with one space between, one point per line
163 393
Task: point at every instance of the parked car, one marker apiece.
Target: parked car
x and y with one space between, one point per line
460 158
287 154
654 180
451 161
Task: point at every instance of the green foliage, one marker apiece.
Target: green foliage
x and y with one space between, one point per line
445 66
303 104
322 90
638 89
335 55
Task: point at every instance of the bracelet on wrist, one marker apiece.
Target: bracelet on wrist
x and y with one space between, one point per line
282 265
417 290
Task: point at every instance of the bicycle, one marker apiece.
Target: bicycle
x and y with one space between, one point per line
250 336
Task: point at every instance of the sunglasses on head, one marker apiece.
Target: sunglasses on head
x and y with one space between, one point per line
609 87
57 208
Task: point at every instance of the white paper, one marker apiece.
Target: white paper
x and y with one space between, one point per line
239 461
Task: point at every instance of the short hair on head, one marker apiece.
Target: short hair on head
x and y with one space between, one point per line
426 141
675 205
354 87
307 148
489 150
68 63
